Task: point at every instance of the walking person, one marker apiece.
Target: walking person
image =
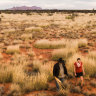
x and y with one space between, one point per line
79 71
59 71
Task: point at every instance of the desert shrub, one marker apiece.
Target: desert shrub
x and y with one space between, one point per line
42 44
36 29
66 85
19 76
92 94
48 70
17 42
71 16
11 30
93 83
26 36
31 53
38 82
86 93
46 44
89 66
63 93
37 65
53 25
12 49
43 94
1 56
50 14
2 91
76 89
92 54
91 14
15 90
0 19
5 75
82 43
41 82
62 53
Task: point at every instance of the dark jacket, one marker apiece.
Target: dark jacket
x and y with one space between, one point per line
56 69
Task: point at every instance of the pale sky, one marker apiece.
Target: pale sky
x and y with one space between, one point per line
49 4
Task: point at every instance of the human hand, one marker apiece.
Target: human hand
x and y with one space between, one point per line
75 74
83 73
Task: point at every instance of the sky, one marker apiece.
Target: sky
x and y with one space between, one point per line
50 4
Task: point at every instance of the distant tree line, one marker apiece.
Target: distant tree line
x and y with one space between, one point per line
47 11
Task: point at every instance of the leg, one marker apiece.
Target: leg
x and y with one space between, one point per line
82 80
77 81
61 79
57 85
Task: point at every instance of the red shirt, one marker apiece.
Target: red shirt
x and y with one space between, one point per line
78 67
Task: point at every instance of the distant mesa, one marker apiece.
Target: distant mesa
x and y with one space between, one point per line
26 8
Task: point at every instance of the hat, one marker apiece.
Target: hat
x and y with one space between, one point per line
60 60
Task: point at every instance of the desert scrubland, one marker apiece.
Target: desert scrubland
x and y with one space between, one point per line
31 43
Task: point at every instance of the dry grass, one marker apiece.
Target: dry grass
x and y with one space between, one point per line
46 44
15 90
16 74
93 83
92 54
8 30
5 75
33 29
76 89
82 43
62 53
26 36
13 49
1 56
34 26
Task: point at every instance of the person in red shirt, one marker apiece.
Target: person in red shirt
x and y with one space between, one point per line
79 71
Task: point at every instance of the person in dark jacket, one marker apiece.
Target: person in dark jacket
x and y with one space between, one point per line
60 71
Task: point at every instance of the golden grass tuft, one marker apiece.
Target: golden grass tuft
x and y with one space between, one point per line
63 53
15 90
82 43
13 49
1 56
92 54
26 36
46 44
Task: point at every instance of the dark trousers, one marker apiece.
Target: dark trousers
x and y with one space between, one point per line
57 85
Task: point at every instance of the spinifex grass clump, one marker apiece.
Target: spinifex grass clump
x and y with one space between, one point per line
76 89
13 49
56 44
14 90
46 44
93 83
5 75
82 43
15 73
26 36
62 53
92 55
